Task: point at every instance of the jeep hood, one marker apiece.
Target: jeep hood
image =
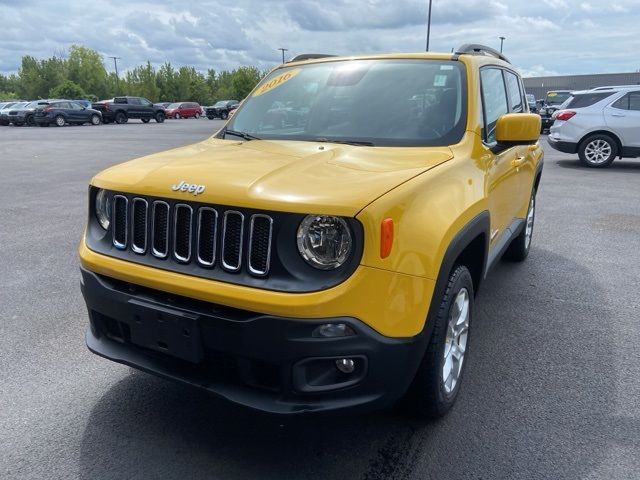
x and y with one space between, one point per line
292 176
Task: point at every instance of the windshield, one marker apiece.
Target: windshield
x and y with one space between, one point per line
220 104
380 102
173 105
16 105
531 98
556 98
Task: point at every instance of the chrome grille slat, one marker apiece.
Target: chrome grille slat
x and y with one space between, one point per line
206 236
139 227
160 229
202 234
120 221
232 240
259 254
182 232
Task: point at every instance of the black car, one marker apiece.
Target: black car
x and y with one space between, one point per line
23 115
62 112
221 109
552 102
533 105
121 109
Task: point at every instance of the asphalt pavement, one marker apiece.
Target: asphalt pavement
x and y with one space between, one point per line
551 390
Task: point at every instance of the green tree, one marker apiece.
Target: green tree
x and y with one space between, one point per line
85 67
244 80
69 90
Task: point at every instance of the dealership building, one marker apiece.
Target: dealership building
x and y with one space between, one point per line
539 86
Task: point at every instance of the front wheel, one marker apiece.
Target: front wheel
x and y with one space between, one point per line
598 151
519 248
146 120
159 117
95 119
224 115
31 121
436 385
177 116
121 118
60 121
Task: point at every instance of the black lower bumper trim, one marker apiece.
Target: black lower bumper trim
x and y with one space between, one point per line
265 362
565 147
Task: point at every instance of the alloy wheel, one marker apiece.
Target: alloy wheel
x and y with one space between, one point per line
455 342
597 151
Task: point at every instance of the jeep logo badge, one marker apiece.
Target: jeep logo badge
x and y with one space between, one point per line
188 187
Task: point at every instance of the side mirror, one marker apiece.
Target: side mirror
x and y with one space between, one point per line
517 129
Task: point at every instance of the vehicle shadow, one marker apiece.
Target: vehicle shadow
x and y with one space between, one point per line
536 403
625 165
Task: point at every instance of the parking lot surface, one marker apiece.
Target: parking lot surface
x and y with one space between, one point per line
551 389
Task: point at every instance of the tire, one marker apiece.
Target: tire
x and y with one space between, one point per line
145 120
432 393
31 122
59 121
598 151
95 119
43 124
159 117
197 116
224 115
210 117
121 118
518 250
177 116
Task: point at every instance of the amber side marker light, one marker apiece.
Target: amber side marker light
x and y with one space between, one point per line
386 237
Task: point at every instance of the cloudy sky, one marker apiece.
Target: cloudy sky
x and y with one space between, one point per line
543 37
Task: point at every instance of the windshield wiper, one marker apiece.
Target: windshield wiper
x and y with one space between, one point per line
244 135
344 142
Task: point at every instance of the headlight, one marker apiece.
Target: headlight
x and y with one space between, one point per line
103 208
324 241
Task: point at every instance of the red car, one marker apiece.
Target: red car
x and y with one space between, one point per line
183 110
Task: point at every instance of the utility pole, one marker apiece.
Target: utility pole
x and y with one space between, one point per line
501 42
429 25
115 62
283 50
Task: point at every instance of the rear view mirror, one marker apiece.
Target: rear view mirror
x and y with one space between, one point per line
517 129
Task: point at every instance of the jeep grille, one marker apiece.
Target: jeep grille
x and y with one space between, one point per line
190 234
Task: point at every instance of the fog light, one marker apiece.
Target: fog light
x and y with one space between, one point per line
332 330
345 365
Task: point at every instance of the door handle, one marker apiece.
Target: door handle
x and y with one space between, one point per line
618 115
517 162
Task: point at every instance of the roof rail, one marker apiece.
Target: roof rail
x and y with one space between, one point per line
309 56
477 49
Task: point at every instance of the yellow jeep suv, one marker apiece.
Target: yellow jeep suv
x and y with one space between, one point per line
323 250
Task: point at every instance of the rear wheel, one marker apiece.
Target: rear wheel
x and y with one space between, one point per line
598 151
31 121
146 120
95 119
159 117
60 121
121 118
224 115
519 248
197 115
437 382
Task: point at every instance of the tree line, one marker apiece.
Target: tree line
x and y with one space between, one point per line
80 74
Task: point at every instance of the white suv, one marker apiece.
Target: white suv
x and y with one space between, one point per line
599 125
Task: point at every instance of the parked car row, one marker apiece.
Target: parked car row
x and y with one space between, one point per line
46 112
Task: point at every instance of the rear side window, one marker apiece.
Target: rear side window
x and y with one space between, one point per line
515 95
494 100
119 100
586 99
631 101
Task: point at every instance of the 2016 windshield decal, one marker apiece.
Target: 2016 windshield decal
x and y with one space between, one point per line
192 188
275 82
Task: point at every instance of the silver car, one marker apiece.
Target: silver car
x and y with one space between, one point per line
599 125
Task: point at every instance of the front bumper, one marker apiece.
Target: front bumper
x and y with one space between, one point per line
266 362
